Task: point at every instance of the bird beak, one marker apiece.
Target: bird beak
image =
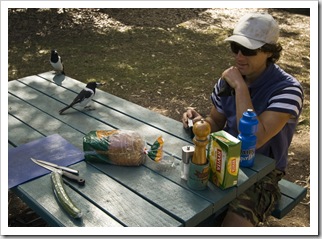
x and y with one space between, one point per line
100 84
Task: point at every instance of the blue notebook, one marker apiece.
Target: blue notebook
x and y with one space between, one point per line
52 148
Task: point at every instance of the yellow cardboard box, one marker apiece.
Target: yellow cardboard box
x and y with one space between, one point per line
224 156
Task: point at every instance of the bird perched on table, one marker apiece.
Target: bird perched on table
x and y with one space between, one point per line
57 62
84 97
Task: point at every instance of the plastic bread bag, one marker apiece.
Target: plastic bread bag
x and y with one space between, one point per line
120 147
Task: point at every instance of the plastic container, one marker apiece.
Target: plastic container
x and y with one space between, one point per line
248 126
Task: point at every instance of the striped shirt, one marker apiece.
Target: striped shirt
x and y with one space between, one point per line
274 90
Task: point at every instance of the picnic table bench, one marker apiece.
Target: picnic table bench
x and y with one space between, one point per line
148 195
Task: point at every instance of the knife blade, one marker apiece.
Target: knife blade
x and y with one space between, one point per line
66 174
74 171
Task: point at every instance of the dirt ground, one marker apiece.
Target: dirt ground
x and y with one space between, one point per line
295 37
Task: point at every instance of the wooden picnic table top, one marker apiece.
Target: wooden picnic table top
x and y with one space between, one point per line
144 196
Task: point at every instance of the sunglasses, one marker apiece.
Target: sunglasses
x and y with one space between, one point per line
235 48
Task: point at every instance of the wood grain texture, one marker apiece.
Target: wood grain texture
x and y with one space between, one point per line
152 194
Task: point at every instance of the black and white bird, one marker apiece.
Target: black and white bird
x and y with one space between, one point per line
84 97
57 62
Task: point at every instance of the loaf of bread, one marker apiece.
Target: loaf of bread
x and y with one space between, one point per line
119 147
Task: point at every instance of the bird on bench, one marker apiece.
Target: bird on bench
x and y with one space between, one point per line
57 62
84 97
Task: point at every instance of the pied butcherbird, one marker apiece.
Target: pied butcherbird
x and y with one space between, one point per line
84 97
57 62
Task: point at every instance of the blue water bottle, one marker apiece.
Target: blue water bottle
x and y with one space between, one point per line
248 125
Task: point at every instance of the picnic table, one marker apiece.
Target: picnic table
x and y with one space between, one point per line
150 195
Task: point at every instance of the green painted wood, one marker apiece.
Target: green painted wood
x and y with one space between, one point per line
170 168
246 178
44 95
103 201
40 197
173 199
263 165
126 205
30 95
150 133
49 125
134 110
77 119
284 206
292 190
292 194
21 133
129 110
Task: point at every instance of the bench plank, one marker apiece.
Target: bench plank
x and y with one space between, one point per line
292 194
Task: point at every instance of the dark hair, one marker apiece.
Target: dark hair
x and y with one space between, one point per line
275 49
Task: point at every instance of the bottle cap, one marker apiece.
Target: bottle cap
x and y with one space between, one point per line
187 152
248 123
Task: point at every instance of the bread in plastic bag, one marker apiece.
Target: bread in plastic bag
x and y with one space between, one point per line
120 147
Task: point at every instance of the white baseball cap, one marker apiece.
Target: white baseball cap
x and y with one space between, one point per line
254 30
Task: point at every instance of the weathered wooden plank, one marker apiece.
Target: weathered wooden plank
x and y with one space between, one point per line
156 120
284 206
32 198
149 117
246 178
125 121
21 133
292 194
49 125
102 115
18 105
122 203
48 105
171 169
180 203
42 104
46 98
263 165
39 196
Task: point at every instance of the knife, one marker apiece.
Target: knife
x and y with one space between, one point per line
74 171
64 173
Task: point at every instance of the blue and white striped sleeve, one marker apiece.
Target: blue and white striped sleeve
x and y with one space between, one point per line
288 100
215 98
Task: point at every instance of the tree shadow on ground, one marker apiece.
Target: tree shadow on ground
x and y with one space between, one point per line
153 17
153 57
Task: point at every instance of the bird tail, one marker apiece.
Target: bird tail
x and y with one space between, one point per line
62 110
